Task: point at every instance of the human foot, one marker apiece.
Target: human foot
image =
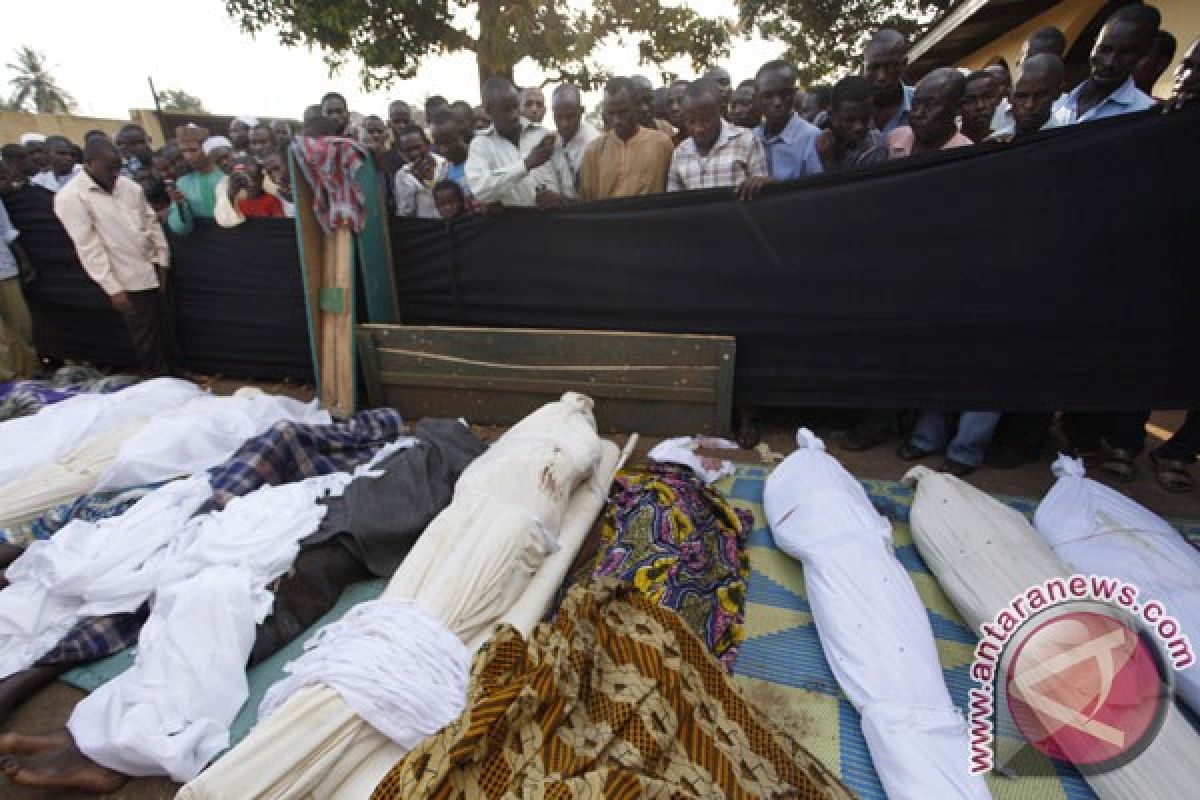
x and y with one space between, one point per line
60 765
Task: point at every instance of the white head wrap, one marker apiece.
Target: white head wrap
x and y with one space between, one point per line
26 138
213 142
248 121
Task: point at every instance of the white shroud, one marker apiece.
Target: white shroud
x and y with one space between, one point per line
872 624
519 516
984 554
1098 531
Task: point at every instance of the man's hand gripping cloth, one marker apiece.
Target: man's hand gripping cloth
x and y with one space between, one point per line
872 624
984 554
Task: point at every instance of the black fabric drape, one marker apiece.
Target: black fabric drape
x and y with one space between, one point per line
237 293
1053 273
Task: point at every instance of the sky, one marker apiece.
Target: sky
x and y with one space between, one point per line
103 60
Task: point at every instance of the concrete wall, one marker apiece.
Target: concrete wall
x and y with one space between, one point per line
1180 17
15 123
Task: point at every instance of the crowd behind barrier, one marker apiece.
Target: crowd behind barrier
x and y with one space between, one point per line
751 141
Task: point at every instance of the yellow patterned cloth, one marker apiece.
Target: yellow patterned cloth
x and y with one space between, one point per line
616 698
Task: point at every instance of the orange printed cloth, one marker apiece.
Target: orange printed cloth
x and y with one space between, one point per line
615 698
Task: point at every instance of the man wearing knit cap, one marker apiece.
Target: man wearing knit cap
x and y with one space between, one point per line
195 194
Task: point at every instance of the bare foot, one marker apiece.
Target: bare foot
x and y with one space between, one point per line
62 766
16 744
20 686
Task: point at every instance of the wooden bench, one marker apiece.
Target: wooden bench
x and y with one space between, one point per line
646 382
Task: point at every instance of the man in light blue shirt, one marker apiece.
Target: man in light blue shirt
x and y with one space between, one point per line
784 134
1109 91
884 61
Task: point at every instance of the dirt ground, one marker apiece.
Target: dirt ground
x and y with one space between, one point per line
50 709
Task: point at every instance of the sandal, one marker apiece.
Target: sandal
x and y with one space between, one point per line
1172 474
1118 463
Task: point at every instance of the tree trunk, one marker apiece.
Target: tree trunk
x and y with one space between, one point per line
490 50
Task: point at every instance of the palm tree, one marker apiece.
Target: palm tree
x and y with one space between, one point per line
34 83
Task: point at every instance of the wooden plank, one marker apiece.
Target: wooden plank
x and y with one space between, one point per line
613 415
497 376
542 346
545 385
723 422
697 377
369 362
338 389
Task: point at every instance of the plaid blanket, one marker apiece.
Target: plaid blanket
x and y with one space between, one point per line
289 452
90 508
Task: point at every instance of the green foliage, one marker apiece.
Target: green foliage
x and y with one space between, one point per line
391 37
179 100
825 37
34 87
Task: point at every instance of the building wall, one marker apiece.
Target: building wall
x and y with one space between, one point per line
15 123
1180 17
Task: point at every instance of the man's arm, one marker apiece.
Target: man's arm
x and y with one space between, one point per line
225 211
756 164
406 194
565 177
161 257
489 184
179 220
89 247
588 183
674 178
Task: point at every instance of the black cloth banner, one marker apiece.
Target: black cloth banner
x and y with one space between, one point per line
1060 272
237 293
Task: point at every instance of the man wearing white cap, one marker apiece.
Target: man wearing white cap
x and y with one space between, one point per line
35 145
195 194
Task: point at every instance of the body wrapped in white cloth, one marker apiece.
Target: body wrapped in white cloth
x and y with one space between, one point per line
1098 531
872 624
984 554
523 506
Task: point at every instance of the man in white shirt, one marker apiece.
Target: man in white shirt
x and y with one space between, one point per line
513 162
121 246
62 167
416 179
1033 97
574 132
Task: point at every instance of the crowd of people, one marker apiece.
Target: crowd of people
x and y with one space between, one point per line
114 195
